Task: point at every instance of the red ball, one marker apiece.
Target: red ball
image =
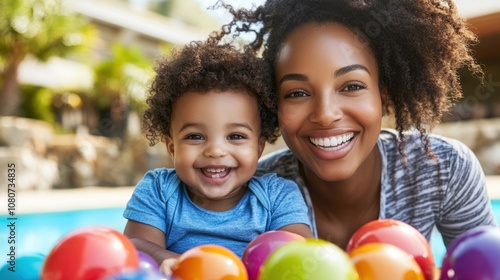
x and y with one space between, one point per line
399 234
261 246
209 262
90 253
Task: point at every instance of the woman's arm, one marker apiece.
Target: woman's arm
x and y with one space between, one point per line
152 241
300 229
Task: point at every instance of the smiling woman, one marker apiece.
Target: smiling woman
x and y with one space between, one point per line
339 67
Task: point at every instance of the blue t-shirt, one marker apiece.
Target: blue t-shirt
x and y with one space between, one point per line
161 200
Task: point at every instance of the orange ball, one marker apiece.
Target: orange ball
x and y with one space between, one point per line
381 261
209 262
399 234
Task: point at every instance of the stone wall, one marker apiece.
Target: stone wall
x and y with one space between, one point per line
24 142
46 160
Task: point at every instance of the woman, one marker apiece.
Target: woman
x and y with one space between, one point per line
339 67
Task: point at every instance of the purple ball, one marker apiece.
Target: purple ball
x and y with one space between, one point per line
137 274
146 262
475 254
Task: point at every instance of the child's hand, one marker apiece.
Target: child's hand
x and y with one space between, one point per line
167 266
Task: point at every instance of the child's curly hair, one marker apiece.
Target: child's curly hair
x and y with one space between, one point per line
202 67
419 46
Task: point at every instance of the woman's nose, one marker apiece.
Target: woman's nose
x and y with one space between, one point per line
326 110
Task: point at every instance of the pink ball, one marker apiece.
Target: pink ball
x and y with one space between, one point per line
262 246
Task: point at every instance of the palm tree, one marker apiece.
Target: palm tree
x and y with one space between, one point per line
41 29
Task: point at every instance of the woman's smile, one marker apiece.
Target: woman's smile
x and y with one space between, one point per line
333 142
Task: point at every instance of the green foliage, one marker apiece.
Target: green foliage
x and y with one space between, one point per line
37 103
162 7
42 29
125 74
39 28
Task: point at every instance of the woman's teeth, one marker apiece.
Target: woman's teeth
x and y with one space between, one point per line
332 141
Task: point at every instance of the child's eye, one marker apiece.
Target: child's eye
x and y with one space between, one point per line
194 137
353 87
236 136
296 93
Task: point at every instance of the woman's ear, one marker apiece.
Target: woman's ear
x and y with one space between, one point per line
169 143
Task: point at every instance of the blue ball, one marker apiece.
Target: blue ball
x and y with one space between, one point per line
26 267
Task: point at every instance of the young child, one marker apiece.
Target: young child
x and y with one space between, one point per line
211 105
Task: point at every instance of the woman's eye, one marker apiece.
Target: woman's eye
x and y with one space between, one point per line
353 87
194 137
296 93
236 136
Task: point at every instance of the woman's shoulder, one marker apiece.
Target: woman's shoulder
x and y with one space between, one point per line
450 156
441 146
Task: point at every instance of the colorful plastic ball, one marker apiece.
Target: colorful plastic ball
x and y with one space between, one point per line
308 259
90 253
381 261
137 274
26 267
262 246
475 254
209 262
147 262
399 234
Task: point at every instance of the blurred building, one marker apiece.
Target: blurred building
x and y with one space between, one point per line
116 22
128 24
479 103
475 119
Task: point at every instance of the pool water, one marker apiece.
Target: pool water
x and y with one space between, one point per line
39 233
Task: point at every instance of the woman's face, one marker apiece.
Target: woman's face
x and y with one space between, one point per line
330 104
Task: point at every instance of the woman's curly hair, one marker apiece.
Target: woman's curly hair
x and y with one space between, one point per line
419 45
202 67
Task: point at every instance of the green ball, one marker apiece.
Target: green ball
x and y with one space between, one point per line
313 259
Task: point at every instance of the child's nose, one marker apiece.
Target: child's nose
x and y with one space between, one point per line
215 149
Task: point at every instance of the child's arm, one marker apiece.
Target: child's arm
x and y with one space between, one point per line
300 229
152 241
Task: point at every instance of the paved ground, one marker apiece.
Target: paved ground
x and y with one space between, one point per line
101 197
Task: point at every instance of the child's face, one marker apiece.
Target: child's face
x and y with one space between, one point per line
215 143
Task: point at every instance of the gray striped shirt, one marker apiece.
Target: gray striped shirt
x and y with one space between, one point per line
450 194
